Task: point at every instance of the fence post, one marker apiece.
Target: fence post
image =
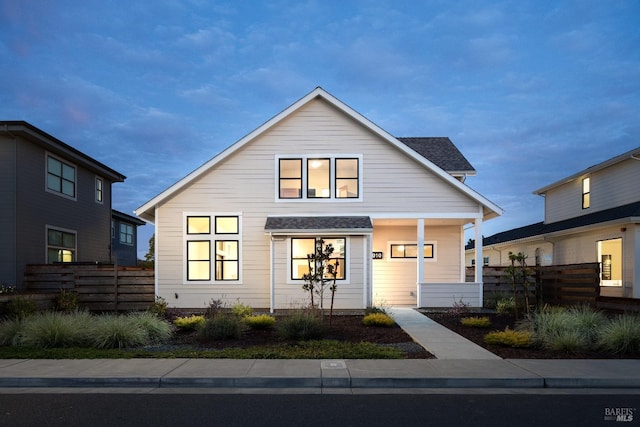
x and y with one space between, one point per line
115 285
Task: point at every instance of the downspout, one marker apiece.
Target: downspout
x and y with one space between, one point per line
272 281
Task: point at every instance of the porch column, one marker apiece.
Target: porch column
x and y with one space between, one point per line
272 281
636 270
420 261
479 259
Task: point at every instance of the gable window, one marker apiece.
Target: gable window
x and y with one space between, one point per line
409 250
212 255
319 178
126 233
99 190
61 177
61 246
586 193
347 178
290 178
303 246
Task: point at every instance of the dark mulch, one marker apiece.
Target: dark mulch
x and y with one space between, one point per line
498 323
346 328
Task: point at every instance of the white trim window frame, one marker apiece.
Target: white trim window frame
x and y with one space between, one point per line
393 247
59 239
126 233
300 190
61 177
223 260
346 265
99 190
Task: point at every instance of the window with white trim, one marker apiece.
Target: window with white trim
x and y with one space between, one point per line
99 190
126 234
61 245
319 177
301 247
212 247
586 193
61 177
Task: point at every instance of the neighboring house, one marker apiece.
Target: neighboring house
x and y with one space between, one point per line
240 226
124 238
590 216
56 202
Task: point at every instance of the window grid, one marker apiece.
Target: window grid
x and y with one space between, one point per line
61 177
299 261
410 250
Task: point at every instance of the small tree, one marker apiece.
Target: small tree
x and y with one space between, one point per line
520 274
321 272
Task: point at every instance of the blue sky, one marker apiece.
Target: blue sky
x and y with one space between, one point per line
530 91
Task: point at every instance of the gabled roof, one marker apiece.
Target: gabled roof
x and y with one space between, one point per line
442 152
631 154
626 213
361 224
147 213
50 143
126 217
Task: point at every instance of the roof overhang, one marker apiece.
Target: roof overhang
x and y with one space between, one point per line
346 225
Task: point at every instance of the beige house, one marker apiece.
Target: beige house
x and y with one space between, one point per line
590 216
240 226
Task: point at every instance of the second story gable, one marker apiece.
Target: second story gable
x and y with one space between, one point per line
607 185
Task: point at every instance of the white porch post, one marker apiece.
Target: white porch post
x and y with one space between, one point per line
479 259
272 281
420 261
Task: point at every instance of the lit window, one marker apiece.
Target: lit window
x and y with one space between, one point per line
347 182
199 260
198 225
61 177
226 225
61 246
302 247
290 178
318 179
126 234
99 190
410 250
226 260
586 193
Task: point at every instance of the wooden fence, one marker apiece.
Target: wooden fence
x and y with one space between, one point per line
556 285
103 287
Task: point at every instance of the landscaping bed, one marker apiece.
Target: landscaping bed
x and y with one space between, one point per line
499 323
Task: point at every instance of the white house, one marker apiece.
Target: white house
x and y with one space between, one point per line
240 226
590 216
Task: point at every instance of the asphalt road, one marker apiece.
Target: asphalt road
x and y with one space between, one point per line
513 410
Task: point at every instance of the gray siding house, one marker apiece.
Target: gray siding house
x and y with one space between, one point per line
124 238
56 202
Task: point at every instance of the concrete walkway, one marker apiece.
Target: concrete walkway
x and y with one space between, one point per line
460 364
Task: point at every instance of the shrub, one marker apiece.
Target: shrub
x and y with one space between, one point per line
621 334
66 301
302 325
459 308
509 338
113 331
21 307
221 327
157 330
214 308
10 331
260 321
378 319
241 310
573 329
476 322
159 307
55 329
505 306
374 310
189 322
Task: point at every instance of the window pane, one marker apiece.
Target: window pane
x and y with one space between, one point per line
290 188
318 178
410 251
347 168
226 270
428 251
397 251
54 237
338 247
54 166
198 270
291 168
68 173
198 225
346 188
53 183
68 240
226 225
199 251
68 188
226 250
300 248
299 267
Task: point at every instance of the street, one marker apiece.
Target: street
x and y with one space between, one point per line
195 408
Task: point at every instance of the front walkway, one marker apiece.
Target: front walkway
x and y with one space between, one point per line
438 340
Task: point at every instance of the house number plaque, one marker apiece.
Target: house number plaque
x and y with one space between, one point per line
376 255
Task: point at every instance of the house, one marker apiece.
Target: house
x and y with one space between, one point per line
56 202
240 227
124 238
590 216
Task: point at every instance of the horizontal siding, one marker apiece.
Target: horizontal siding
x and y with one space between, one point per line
448 294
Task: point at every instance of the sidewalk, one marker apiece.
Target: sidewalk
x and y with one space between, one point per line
459 364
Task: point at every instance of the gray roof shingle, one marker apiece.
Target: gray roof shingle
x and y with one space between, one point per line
440 151
288 223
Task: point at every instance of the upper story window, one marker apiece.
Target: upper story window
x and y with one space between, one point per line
61 245
61 177
319 177
126 233
99 190
586 193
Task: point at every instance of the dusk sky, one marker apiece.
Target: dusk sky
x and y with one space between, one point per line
529 91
